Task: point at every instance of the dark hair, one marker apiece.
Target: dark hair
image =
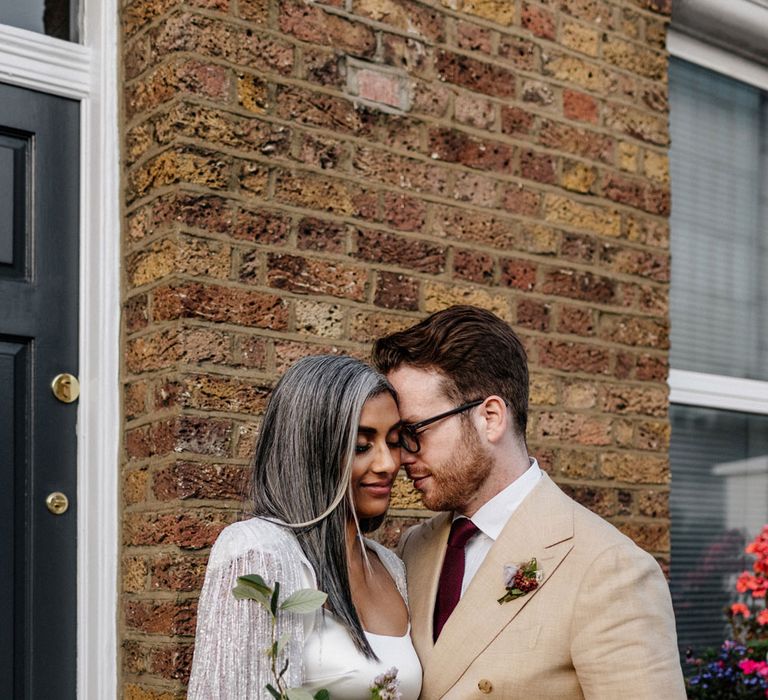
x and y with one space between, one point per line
302 466
477 353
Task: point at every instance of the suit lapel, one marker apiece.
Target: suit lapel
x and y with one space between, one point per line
541 527
424 559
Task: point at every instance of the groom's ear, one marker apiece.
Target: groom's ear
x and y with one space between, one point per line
496 416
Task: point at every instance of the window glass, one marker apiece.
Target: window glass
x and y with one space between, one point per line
719 502
51 17
718 164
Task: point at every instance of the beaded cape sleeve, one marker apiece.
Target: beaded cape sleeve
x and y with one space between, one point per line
229 659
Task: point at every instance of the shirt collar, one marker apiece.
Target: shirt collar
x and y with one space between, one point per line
493 515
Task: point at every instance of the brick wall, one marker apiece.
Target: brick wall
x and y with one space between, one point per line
300 177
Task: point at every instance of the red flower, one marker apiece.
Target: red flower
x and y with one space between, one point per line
740 609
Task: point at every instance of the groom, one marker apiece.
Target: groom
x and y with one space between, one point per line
585 613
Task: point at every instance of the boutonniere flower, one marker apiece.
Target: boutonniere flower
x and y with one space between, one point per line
521 579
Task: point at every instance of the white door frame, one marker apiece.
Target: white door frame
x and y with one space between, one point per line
88 72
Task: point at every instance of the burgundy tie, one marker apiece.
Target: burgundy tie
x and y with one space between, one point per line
452 575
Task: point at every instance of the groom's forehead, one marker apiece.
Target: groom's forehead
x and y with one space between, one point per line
418 390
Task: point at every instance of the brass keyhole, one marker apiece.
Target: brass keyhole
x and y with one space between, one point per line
57 503
65 387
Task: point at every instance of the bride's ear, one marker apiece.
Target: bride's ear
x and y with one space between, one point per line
496 416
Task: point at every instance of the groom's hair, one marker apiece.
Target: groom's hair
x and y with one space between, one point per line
477 354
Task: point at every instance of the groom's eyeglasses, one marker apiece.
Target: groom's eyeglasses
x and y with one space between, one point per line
409 432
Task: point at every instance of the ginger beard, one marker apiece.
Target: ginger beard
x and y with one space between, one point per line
455 481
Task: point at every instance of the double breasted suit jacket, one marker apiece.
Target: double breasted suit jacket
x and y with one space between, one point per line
599 626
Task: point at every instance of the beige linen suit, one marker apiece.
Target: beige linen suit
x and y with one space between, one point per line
600 625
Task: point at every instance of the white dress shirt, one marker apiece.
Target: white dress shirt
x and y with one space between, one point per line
491 518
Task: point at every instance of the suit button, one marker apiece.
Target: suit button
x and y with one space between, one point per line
485 686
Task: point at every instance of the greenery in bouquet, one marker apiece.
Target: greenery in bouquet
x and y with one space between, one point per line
739 669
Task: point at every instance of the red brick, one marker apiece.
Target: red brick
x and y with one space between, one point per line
254 10
581 248
409 54
471 37
652 368
581 142
580 107
167 618
476 75
173 662
220 304
519 200
534 315
538 21
399 171
396 291
177 572
518 274
538 166
576 320
579 285
184 434
299 274
319 235
516 121
322 67
403 212
573 357
472 266
184 480
407 15
316 109
261 226
578 428
456 146
522 53
312 24
431 98
136 313
207 212
475 187
188 529
392 249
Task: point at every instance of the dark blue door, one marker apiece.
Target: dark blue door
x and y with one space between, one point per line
39 190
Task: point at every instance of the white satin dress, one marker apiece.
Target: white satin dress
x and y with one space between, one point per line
229 660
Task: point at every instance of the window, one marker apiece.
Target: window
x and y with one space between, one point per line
55 18
719 330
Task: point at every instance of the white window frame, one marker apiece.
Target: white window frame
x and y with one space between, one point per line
699 388
88 72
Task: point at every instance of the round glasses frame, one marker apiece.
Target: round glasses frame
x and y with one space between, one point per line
409 432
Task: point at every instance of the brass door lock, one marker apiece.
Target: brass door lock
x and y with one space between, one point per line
57 503
65 387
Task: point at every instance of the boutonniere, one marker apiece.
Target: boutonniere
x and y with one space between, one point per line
521 579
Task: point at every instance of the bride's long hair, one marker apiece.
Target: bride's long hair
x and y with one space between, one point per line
302 467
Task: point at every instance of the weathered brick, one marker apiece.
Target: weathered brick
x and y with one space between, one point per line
539 167
498 11
173 662
317 109
573 428
318 193
365 327
521 52
132 691
438 295
183 480
580 106
635 58
599 500
167 618
577 464
472 37
319 318
134 399
578 176
412 56
516 121
320 235
184 434
396 291
474 111
576 320
634 468
573 357
307 275
135 486
177 572
472 266
639 125
543 390
580 37
476 188
646 401
473 74
312 24
579 285
407 173
520 200
518 273
393 249
207 212
403 212
261 226
534 315
456 146
133 573
538 20
187 530
413 17
580 142
591 218
637 332
220 305
539 93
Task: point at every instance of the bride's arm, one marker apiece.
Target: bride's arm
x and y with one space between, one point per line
229 660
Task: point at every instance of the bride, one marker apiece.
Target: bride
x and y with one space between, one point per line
325 461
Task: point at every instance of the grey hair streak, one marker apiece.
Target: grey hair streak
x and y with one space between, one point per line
302 466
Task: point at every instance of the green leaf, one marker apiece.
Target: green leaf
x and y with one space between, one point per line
274 693
322 695
304 601
282 642
298 694
247 593
273 601
255 581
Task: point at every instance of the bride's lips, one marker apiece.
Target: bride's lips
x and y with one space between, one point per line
383 488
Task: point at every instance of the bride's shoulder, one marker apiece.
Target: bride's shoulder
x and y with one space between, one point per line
253 535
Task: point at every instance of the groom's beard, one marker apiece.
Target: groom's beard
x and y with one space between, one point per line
457 480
